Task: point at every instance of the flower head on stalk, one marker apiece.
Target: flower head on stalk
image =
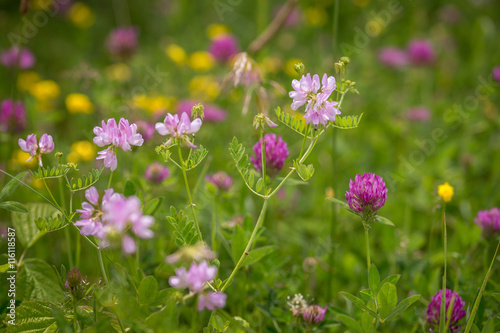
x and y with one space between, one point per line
309 90
489 221
446 192
457 312
367 193
122 42
122 135
30 145
12 116
195 280
276 154
115 215
314 314
221 180
178 129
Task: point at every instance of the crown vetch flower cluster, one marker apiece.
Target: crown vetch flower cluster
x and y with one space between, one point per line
318 109
195 279
489 220
44 146
434 310
178 128
367 193
122 135
276 154
114 215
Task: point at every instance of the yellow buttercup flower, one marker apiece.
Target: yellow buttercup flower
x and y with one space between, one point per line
118 72
82 151
177 54
214 30
289 70
81 15
26 80
79 103
153 104
204 87
201 61
446 192
45 90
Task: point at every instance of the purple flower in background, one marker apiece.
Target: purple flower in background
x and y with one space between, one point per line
367 193
178 129
421 52
44 146
221 180
16 57
276 154
122 135
211 301
212 113
318 109
146 129
157 173
434 310
115 214
122 42
224 48
314 314
393 57
489 220
12 116
418 114
496 74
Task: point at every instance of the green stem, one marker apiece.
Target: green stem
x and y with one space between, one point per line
67 235
263 154
442 321
367 242
214 224
304 141
249 244
183 168
103 269
110 179
75 315
52 197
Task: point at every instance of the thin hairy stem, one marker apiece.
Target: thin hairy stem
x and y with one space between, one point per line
442 321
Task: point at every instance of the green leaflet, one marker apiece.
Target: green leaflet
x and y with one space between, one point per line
85 182
196 157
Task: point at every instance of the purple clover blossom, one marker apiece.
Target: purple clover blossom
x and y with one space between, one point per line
434 310
224 47
421 52
44 146
157 173
211 301
276 154
314 314
178 129
221 180
16 57
418 114
318 109
367 193
212 112
495 73
12 116
115 214
122 42
489 220
122 135
393 57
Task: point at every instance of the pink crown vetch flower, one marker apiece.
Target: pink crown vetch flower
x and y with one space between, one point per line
17 57
178 129
122 135
44 146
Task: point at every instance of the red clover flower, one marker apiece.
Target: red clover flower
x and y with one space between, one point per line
276 154
434 310
489 220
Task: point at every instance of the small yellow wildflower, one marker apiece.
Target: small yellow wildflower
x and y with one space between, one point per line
118 72
26 80
82 150
41 4
45 90
201 61
446 192
81 15
177 54
289 70
154 104
214 30
19 157
204 87
79 103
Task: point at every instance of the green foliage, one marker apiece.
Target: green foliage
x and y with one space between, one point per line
34 317
52 172
13 206
304 172
242 161
184 230
26 227
387 299
52 223
346 122
11 186
85 182
342 204
129 188
294 123
196 157
38 281
148 290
